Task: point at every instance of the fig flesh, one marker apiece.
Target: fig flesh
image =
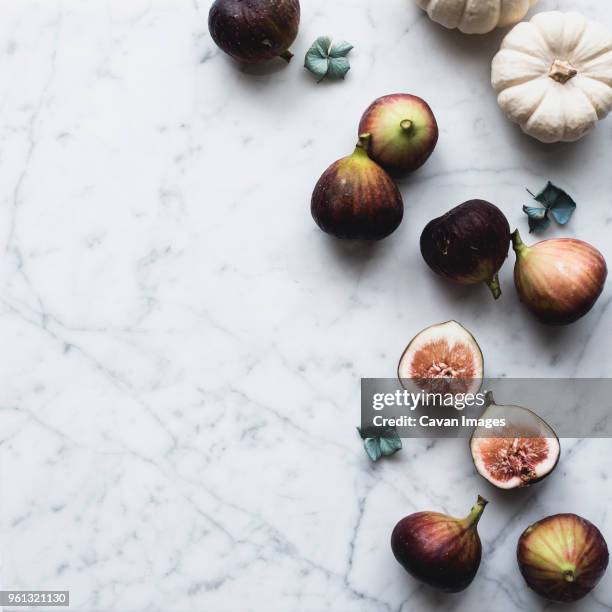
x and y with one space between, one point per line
443 358
355 199
562 557
559 280
439 550
404 132
468 245
518 453
253 31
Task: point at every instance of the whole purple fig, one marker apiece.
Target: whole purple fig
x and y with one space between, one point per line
439 550
468 245
253 31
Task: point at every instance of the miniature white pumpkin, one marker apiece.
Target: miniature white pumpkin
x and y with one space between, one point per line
476 16
554 76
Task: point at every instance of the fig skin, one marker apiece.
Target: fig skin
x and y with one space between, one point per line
439 550
468 245
404 132
562 557
559 280
355 199
253 31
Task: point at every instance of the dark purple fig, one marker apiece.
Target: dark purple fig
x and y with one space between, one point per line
355 199
468 245
562 557
439 550
404 132
253 31
559 280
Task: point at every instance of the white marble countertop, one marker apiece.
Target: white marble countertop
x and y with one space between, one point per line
182 347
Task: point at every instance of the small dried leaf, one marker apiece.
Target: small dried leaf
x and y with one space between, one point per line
380 442
327 59
372 447
556 202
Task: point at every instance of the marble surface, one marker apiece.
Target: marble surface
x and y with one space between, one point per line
182 347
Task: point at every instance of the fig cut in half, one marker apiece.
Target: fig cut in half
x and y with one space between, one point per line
519 450
443 358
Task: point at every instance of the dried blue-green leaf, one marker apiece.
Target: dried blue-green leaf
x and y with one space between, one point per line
557 203
389 446
552 197
340 48
372 447
380 441
328 59
538 218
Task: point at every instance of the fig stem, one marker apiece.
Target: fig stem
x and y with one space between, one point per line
569 576
489 399
476 512
494 286
520 248
363 144
406 125
287 56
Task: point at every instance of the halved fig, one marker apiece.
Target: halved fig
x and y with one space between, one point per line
517 449
443 358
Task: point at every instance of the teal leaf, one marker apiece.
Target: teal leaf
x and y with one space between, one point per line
389 446
538 218
341 48
557 203
327 59
380 442
535 212
563 210
338 68
537 226
560 204
372 447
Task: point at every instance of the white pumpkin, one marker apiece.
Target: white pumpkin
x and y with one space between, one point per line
553 76
476 16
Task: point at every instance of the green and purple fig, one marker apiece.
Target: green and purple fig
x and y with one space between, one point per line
468 245
356 199
562 557
439 550
559 280
253 31
404 132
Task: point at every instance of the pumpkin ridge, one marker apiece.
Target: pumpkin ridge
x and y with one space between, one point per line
587 97
508 43
587 65
465 3
571 51
590 99
537 105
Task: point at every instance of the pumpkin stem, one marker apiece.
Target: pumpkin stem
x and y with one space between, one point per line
287 56
562 71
